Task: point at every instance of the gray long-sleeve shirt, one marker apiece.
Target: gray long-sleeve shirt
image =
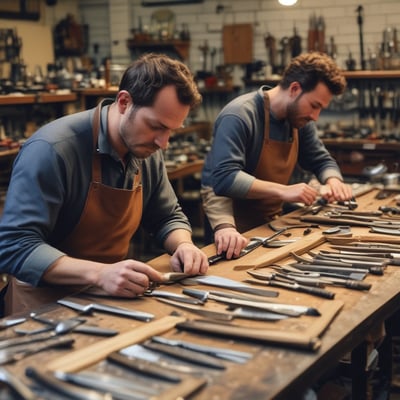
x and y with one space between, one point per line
237 143
48 188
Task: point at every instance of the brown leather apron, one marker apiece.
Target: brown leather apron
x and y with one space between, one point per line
108 221
276 164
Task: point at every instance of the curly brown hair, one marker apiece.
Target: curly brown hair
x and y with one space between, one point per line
147 75
311 68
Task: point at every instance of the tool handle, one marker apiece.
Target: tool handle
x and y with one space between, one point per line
217 257
316 291
351 284
376 270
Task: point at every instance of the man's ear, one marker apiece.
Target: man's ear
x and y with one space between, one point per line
295 89
124 99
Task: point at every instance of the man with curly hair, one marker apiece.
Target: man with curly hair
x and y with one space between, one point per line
258 139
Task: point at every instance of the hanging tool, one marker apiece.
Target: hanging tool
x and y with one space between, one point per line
360 21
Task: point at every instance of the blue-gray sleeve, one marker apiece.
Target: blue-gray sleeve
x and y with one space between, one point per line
162 212
231 159
34 197
314 157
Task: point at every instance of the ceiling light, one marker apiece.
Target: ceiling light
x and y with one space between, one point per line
287 2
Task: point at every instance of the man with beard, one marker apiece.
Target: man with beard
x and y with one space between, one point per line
258 139
82 185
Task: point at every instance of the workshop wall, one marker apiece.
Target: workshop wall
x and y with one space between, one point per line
206 20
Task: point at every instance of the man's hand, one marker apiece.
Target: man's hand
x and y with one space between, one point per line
189 259
336 190
127 278
299 192
229 240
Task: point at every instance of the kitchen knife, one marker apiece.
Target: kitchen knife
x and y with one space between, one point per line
138 351
238 312
189 356
79 327
144 367
284 309
173 296
219 352
48 380
354 273
79 305
5 323
17 353
226 283
326 294
118 388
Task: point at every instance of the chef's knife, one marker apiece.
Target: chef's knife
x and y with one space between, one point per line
118 388
219 352
17 353
226 283
190 356
173 296
6 323
78 305
138 351
239 312
291 310
48 380
144 367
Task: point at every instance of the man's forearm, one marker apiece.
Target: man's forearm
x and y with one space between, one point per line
219 209
175 238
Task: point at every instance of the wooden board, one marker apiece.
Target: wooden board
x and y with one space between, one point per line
238 43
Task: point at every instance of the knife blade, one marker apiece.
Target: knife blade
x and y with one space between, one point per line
226 283
5 323
239 312
119 388
138 351
187 355
145 367
17 353
326 294
173 296
219 352
48 380
86 307
290 310
355 273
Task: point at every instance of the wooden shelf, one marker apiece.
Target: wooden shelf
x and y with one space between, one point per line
382 74
179 47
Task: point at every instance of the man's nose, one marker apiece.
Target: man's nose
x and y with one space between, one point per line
162 140
315 114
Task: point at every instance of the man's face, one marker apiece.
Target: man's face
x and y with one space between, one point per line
306 106
144 130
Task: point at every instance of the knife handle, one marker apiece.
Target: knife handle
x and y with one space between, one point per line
316 291
351 284
376 270
217 257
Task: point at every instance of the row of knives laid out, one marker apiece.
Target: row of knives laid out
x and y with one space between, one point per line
159 368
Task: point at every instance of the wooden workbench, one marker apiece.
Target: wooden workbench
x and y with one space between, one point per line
275 371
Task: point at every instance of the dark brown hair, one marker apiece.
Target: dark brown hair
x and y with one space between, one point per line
147 75
311 68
